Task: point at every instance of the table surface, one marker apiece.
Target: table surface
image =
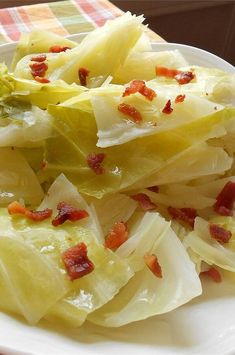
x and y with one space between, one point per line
61 17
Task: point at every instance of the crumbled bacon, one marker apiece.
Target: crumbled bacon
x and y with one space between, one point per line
144 201
39 58
16 208
139 86
153 188
76 261
186 215
184 77
213 274
135 86
68 213
42 80
149 93
38 69
180 76
83 74
167 108
163 71
152 262
94 161
57 49
117 236
131 112
219 233
179 98
225 200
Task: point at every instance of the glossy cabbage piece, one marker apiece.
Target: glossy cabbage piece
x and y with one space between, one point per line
146 295
115 128
101 52
141 65
48 242
68 152
42 95
211 251
30 283
38 42
18 180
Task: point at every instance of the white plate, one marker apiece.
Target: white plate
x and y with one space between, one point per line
203 326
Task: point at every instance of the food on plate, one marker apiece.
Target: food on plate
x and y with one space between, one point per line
117 177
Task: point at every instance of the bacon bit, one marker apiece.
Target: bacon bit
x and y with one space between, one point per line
139 86
83 74
144 201
150 94
58 49
39 58
179 98
42 80
186 215
213 274
94 162
167 108
16 208
131 112
184 77
163 71
38 66
220 234
117 236
225 200
135 86
153 188
68 213
38 69
77 262
38 215
152 262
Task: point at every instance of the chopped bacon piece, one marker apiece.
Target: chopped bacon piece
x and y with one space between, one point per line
38 69
16 208
117 236
39 58
139 86
213 274
68 213
167 108
38 66
77 262
150 94
184 77
42 80
135 86
153 188
179 98
57 49
83 74
163 71
131 112
144 201
186 215
152 262
225 200
94 162
38 215
219 233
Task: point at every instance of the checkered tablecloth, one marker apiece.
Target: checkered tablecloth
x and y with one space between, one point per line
62 17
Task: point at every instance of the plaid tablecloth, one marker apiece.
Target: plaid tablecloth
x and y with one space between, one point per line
62 17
